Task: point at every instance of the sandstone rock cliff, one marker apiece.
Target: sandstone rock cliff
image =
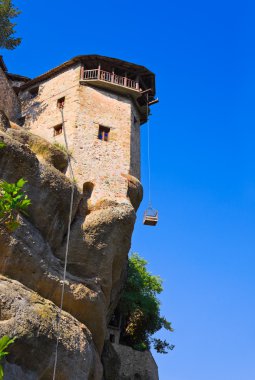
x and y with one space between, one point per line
33 320
31 268
32 258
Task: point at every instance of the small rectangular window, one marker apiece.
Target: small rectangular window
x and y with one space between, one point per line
61 102
103 133
34 92
58 129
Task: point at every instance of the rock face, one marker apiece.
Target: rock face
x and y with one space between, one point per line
33 256
34 321
45 152
31 269
123 363
8 99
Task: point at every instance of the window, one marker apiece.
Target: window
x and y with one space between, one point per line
58 129
103 133
34 92
61 102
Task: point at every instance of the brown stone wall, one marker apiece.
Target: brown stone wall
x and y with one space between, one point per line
135 159
103 162
123 363
42 113
9 102
86 108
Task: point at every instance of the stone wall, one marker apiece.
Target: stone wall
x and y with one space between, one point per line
9 102
42 113
135 147
105 164
123 363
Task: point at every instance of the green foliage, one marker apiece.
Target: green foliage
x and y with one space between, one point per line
5 341
162 346
8 12
140 308
63 148
12 202
60 146
2 144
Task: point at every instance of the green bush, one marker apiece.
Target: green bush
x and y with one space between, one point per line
140 308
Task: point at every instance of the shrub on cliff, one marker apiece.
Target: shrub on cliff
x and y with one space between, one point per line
12 202
140 308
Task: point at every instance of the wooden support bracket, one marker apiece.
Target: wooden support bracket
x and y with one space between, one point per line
153 102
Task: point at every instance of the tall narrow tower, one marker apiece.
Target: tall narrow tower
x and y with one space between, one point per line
104 100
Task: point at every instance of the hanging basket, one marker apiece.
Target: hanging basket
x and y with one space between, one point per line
150 217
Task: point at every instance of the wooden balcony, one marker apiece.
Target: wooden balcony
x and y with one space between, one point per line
107 79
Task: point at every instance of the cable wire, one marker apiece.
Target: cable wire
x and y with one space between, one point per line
148 150
67 244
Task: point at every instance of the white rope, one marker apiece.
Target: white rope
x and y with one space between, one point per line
67 244
148 150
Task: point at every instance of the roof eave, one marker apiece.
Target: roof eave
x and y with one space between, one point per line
82 59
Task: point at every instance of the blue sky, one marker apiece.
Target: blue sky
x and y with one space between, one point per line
203 158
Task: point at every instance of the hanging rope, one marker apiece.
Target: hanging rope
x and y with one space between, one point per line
67 242
148 150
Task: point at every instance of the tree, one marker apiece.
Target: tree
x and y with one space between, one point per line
140 308
5 341
8 12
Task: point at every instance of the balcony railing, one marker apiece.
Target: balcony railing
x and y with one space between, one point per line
106 76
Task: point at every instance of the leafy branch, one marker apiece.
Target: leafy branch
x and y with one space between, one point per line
5 341
13 201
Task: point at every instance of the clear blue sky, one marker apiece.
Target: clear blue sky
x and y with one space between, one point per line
203 158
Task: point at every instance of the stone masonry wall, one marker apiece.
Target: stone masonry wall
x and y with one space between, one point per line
42 113
125 363
102 163
135 147
9 102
